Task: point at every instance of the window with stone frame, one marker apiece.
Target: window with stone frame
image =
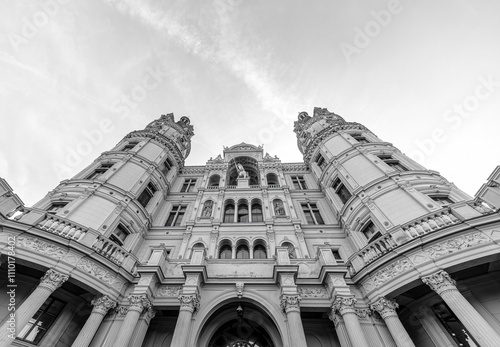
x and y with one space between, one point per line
394 163
119 234
320 160
337 256
359 137
225 252
299 182
242 252
147 194
311 212
370 231
129 146
340 189
41 322
167 166
56 206
176 215
442 200
259 252
188 185
102 169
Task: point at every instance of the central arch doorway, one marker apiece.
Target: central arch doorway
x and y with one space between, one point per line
239 324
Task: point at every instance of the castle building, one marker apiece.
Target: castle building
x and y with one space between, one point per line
356 246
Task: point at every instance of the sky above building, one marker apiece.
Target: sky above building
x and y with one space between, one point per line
77 76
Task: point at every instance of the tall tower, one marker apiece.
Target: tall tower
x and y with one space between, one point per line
372 186
117 195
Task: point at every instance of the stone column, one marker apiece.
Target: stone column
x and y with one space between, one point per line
290 305
189 305
345 306
233 252
387 310
48 284
101 306
444 285
142 327
138 302
339 324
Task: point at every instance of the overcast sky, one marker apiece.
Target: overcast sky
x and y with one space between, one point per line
423 75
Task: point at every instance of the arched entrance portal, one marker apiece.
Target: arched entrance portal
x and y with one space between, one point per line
239 324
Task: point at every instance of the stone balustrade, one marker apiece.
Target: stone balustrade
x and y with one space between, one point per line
377 248
109 249
272 186
63 227
231 187
429 223
212 187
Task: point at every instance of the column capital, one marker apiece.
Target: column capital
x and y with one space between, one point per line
189 302
290 303
344 304
148 314
102 304
139 302
53 280
385 307
335 317
440 282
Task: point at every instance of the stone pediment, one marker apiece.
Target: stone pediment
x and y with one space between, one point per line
243 147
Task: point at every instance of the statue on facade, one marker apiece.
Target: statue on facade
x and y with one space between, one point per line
241 171
279 209
207 208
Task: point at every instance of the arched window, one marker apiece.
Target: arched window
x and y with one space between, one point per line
214 181
229 213
243 212
259 252
291 250
225 252
242 252
257 212
272 179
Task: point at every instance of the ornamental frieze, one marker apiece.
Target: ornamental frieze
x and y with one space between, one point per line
169 291
456 244
312 292
96 271
39 246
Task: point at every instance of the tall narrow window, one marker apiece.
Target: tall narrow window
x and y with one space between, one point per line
40 323
225 252
360 138
320 160
291 249
242 252
394 163
175 216
56 206
130 145
229 213
100 170
189 184
342 192
119 234
370 232
272 179
259 252
311 213
257 212
337 256
167 165
441 200
299 182
214 181
147 194
243 213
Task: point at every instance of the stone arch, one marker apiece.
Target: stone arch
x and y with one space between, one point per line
226 301
251 167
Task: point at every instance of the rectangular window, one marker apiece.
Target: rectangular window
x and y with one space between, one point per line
167 165
188 185
343 193
299 182
394 163
147 194
370 232
311 213
56 206
120 234
175 217
360 138
40 323
442 200
100 170
130 145
337 256
320 160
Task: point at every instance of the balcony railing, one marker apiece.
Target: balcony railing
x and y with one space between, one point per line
109 249
63 227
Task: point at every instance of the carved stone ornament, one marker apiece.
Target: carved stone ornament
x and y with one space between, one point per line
385 307
455 245
363 314
335 317
290 303
102 304
139 302
440 282
39 246
239 289
189 303
316 292
344 304
169 291
148 314
53 280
